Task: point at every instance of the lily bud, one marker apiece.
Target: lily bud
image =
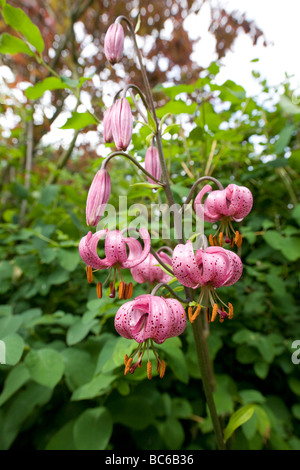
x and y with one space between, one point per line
107 125
152 164
98 196
122 123
114 43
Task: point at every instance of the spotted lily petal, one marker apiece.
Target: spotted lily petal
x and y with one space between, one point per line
115 248
185 266
178 317
130 263
88 250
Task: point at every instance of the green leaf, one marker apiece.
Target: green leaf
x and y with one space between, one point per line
14 346
261 369
172 433
93 429
291 248
45 366
151 122
97 386
50 83
172 127
11 45
16 378
78 331
79 120
252 396
284 139
63 439
147 185
238 418
68 259
17 19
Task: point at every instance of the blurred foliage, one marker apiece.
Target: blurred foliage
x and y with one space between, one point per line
64 372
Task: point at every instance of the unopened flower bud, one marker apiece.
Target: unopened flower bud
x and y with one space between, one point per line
152 164
107 125
114 43
122 123
98 196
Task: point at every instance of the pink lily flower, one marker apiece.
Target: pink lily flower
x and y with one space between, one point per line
210 269
114 43
152 164
149 318
230 204
149 270
122 123
115 250
98 197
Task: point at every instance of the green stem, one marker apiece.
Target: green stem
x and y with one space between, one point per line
200 343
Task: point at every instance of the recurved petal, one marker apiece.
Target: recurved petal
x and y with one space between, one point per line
137 258
178 317
185 266
235 270
201 208
122 320
240 201
88 250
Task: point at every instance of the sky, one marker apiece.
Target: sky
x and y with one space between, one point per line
278 19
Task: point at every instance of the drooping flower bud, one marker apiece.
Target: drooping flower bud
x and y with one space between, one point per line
152 164
122 123
107 125
114 43
98 196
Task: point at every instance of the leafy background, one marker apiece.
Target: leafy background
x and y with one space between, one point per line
64 372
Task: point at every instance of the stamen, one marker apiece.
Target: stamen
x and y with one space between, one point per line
125 296
237 237
210 239
190 314
198 310
240 241
128 365
221 238
158 366
221 319
232 242
121 290
207 314
149 370
130 290
89 274
230 311
215 241
99 290
162 369
126 359
112 290
214 312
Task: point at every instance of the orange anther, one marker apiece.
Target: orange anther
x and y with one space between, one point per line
149 370
210 239
221 238
89 274
214 312
215 241
162 369
130 290
197 311
99 290
190 314
128 365
126 359
237 237
121 290
230 311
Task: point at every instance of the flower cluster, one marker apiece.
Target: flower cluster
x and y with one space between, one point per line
150 319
